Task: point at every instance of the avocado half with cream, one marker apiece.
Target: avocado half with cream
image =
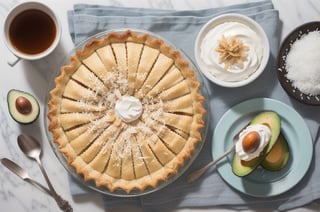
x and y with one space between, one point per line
23 107
272 120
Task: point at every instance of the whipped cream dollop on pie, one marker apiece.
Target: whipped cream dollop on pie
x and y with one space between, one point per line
128 108
126 111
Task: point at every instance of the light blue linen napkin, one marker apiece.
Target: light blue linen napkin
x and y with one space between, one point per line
181 28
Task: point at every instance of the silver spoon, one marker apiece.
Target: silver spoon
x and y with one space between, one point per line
31 147
193 176
20 172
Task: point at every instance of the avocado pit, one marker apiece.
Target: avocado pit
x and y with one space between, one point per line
251 142
23 105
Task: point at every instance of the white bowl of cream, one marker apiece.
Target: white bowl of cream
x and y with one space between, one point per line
242 29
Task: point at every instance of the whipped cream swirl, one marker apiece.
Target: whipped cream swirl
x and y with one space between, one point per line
265 135
128 108
235 72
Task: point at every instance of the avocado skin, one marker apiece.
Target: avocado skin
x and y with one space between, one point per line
282 147
12 95
272 120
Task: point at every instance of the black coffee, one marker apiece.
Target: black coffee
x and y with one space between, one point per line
32 31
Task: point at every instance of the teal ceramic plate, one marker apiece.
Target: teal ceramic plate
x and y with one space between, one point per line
263 183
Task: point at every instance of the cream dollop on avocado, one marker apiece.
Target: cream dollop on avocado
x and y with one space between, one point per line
263 136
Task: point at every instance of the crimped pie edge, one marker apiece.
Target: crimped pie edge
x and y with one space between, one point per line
61 140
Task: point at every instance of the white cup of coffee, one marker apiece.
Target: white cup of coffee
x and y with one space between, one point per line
31 31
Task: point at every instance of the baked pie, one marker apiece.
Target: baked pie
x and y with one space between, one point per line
126 111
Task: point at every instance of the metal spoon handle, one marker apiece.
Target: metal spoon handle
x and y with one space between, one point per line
44 173
31 147
38 185
63 204
198 173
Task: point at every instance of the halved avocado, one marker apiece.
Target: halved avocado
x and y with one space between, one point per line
279 155
23 107
270 119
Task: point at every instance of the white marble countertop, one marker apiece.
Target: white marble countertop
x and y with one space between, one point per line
16 195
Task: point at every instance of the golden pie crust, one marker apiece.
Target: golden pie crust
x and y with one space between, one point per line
96 142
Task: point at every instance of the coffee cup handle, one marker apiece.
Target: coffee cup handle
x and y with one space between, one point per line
13 60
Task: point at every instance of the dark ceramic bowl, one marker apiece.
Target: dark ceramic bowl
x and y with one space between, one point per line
296 34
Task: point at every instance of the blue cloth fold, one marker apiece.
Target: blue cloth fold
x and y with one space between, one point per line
181 28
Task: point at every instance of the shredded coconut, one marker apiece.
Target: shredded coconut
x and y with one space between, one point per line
123 136
303 63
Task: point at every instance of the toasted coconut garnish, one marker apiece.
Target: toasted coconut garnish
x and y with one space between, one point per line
231 51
